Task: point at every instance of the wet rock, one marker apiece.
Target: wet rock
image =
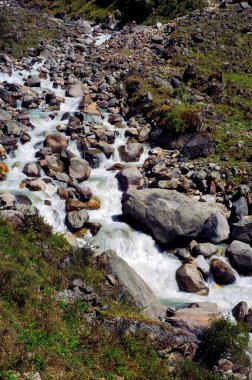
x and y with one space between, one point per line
63 193
190 280
83 193
56 142
7 199
183 254
240 311
222 272
62 177
205 249
32 170
133 287
75 205
36 185
23 199
76 219
92 157
52 165
79 169
106 148
169 214
25 137
240 255
196 318
33 81
202 265
130 152
130 178
243 230
75 91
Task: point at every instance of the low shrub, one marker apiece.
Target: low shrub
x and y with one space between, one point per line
225 339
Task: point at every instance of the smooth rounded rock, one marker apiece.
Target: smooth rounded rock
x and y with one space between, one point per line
222 272
190 280
76 219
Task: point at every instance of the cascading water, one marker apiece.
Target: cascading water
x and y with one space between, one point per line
156 266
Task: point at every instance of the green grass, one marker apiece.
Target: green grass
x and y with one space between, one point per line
21 29
38 333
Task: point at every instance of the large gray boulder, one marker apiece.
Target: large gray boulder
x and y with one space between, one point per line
243 230
132 285
190 280
240 255
168 215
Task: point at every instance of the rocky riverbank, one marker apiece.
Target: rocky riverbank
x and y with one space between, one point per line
79 112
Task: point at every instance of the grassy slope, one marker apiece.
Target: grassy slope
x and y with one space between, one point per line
98 9
39 333
21 29
231 54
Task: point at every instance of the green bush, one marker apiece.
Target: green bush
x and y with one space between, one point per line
179 120
188 370
224 340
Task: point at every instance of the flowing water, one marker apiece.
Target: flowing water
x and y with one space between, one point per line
156 266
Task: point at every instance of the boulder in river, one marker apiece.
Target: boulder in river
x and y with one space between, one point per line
168 215
240 311
240 255
56 142
79 169
131 152
130 178
106 148
190 280
32 169
222 272
36 185
33 81
75 91
75 220
52 165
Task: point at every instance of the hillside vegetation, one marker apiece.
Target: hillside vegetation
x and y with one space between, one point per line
138 10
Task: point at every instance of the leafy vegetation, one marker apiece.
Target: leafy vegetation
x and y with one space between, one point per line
138 10
224 339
